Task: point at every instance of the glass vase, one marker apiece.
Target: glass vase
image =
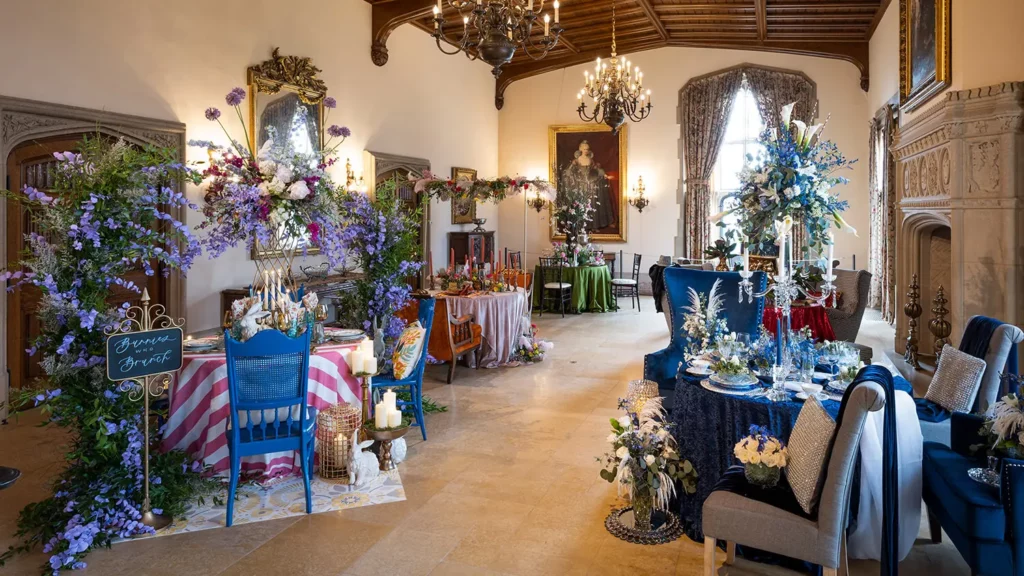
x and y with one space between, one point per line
762 475
643 506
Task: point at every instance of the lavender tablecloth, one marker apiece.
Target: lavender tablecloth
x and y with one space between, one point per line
500 315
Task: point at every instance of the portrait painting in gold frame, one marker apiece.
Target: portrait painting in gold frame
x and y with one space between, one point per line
925 39
589 159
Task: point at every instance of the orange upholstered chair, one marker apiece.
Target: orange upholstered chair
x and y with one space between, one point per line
450 338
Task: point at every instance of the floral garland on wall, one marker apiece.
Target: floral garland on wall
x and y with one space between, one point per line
793 178
482 189
252 195
103 221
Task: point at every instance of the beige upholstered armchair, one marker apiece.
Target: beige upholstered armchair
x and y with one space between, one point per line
736 519
845 319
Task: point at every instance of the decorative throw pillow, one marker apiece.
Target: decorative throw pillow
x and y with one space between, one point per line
956 381
808 453
408 350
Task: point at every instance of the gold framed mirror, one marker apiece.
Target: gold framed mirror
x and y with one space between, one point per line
286 94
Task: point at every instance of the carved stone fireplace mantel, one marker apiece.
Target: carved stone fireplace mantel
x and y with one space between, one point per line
960 165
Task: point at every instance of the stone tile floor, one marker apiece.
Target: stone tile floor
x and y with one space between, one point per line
507 483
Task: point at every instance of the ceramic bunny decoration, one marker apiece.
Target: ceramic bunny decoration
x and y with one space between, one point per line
362 466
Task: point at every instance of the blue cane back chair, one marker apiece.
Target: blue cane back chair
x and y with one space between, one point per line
980 520
742 317
268 379
414 382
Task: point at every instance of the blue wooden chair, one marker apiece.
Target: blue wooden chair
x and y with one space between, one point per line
413 383
980 520
268 379
742 317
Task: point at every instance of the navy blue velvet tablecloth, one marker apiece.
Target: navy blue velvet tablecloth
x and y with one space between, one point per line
708 425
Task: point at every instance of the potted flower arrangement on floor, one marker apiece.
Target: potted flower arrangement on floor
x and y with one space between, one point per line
763 457
644 461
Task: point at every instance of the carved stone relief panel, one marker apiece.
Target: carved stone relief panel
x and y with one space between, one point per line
983 167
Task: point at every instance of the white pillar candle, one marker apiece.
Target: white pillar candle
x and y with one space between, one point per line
391 399
355 361
381 415
370 364
831 247
394 419
366 347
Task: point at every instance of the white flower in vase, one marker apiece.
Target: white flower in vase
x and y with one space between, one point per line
622 452
284 173
268 168
298 190
264 188
612 438
275 186
649 459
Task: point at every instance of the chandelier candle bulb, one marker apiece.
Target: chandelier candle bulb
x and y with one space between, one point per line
556 11
547 25
529 6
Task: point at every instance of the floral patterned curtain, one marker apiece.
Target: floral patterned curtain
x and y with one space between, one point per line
705 103
773 89
882 235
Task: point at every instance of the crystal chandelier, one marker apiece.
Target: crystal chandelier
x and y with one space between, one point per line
617 91
493 30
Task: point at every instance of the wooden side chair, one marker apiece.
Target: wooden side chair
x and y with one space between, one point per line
555 288
628 286
450 338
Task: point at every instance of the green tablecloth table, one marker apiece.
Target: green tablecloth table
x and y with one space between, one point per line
591 288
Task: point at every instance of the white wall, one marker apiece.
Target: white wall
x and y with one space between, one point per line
172 60
533 104
884 59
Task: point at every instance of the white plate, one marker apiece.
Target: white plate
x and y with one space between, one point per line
698 372
711 387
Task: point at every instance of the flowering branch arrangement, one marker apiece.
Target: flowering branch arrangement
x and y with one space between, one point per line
571 217
701 324
763 456
793 177
109 214
276 192
482 189
644 461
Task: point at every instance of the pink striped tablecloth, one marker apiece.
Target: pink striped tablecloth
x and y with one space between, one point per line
199 407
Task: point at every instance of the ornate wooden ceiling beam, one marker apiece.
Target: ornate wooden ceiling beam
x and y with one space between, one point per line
762 19
817 6
386 17
648 9
701 7
878 18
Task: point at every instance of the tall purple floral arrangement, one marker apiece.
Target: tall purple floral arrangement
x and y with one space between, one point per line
382 235
107 213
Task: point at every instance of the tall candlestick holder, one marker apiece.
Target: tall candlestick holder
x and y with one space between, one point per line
913 310
939 326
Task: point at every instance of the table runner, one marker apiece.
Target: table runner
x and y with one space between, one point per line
591 288
500 316
199 407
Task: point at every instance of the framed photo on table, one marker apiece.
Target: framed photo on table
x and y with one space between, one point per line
587 159
463 209
925 39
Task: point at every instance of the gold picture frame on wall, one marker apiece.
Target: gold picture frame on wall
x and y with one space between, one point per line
463 209
590 157
925 60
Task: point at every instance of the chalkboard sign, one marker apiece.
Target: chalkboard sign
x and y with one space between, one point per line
138 354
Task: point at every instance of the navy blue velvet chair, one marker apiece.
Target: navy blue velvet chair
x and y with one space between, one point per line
414 382
268 379
742 317
980 520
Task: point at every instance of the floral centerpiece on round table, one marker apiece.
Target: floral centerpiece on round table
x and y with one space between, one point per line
1004 428
644 461
731 369
793 177
274 195
763 456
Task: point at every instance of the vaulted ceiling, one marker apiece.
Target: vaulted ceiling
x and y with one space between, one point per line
829 28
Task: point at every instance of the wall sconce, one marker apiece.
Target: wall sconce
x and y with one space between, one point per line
637 198
351 181
537 202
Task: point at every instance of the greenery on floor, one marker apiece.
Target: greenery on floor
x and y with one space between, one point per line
429 406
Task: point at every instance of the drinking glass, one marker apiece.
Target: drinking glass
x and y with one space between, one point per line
807 359
779 374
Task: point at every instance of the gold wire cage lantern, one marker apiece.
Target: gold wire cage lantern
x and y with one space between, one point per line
334 428
638 392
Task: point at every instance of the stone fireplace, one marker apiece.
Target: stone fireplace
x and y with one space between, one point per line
959 194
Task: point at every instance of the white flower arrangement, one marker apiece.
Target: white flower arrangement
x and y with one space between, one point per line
733 366
761 448
701 323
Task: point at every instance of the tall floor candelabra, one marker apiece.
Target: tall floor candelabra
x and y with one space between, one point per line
913 310
939 326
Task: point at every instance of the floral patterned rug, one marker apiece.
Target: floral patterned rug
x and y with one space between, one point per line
284 497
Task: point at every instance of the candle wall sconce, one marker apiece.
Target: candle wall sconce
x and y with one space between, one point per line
637 198
353 182
537 202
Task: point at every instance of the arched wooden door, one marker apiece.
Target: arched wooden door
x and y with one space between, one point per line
31 164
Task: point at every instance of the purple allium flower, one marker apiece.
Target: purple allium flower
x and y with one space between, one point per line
212 114
336 131
330 102
235 97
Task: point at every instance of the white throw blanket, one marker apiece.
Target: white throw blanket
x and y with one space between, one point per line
866 540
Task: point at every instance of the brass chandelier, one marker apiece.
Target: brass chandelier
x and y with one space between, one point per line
617 91
493 30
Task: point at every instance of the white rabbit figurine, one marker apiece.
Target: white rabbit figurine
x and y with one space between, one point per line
362 466
248 323
378 340
398 450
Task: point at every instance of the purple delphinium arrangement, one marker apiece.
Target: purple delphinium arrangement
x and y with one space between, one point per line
112 212
280 189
